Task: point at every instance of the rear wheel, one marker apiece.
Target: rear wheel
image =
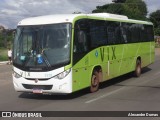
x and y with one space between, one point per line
138 69
95 79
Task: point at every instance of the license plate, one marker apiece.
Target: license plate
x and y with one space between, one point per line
37 90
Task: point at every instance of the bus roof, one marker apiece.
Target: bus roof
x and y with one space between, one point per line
63 18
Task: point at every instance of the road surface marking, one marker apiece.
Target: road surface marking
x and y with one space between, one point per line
157 73
103 96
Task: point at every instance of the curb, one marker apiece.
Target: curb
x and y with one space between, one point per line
3 62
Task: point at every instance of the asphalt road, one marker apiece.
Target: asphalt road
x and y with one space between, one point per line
125 93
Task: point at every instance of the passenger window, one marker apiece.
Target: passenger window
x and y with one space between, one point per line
97 33
124 32
113 32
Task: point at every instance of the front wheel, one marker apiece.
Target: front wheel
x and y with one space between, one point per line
138 69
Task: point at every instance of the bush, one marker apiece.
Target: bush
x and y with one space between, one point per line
3 54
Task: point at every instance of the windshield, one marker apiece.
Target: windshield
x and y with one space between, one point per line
42 47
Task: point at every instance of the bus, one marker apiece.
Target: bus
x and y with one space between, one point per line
64 53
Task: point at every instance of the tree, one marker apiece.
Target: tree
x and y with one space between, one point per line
110 8
155 19
6 37
118 1
134 9
1 39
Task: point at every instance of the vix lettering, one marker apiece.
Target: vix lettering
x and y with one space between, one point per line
102 52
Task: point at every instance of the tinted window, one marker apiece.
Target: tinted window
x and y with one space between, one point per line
97 33
125 32
139 32
113 32
149 33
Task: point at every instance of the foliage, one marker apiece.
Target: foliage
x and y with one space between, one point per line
134 9
110 8
118 1
1 40
3 54
6 37
155 19
157 31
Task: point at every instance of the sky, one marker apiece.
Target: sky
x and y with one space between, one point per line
12 11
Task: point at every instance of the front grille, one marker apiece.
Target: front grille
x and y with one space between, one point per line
43 87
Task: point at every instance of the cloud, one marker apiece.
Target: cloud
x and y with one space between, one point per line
12 11
8 12
153 5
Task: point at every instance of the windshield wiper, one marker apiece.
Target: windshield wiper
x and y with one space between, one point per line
46 60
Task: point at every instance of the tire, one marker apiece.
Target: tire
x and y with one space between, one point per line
138 69
95 79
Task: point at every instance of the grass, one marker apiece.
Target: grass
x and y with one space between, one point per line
3 54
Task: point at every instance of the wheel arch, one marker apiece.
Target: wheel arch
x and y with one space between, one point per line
139 58
97 68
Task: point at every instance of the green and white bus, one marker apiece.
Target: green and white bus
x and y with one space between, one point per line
69 52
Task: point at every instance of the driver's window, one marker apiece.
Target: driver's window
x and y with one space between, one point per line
80 39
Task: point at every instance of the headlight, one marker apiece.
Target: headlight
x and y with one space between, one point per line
63 74
16 75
